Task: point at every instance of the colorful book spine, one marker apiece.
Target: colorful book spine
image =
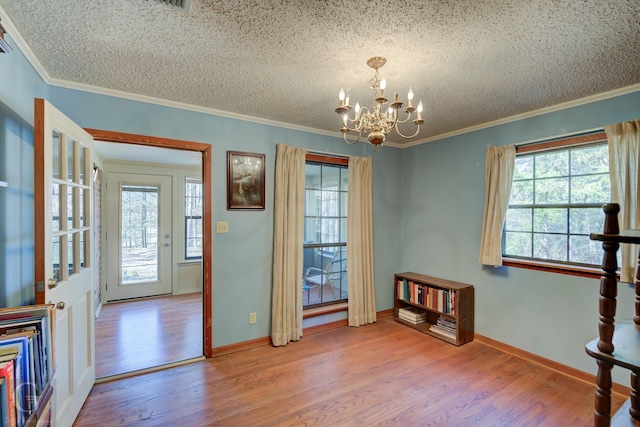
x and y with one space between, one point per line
8 373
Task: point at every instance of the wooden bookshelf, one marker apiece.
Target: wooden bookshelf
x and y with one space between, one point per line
618 344
445 307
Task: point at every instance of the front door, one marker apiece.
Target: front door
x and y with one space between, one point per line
63 252
139 240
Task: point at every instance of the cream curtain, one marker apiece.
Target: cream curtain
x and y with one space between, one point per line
624 157
362 298
498 175
286 308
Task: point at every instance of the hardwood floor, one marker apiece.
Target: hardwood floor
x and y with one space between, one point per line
381 374
144 333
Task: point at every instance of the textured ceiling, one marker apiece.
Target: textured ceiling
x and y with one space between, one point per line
471 62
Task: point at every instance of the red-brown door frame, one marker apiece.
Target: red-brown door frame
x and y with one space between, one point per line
205 149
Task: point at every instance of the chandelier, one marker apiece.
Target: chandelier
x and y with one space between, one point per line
375 122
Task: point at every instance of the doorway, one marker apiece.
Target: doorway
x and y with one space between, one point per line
196 313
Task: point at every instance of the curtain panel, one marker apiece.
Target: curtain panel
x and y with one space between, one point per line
624 157
499 166
362 298
286 309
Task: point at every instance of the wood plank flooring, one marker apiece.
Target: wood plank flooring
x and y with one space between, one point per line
382 374
144 333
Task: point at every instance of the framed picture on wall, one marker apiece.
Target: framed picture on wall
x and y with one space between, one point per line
245 181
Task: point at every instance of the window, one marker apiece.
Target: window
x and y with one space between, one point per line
193 218
556 202
325 231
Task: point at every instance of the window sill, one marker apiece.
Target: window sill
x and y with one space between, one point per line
590 272
326 309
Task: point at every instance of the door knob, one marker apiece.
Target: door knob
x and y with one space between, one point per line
52 283
60 305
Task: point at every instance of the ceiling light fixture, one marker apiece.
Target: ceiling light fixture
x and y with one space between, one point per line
375 122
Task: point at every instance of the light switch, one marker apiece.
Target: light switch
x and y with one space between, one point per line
222 227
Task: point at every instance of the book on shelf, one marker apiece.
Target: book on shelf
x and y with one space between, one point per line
412 319
7 373
412 312
440 330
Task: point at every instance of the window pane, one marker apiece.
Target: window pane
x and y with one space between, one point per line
194 238
590 189
343 229
551 191
55 207
311 230
519 220
56 258
81 177
553 164
523 168
550 246
331 177
70 157
585 221
550 221
330 203
521 192
330 233
70 203
55 155
72 240
312 173
344 197
344 179
590 160
584 250
518 244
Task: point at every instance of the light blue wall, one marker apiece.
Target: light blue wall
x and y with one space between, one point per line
443 186
19 84
242 259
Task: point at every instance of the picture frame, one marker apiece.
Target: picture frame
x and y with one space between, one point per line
245 181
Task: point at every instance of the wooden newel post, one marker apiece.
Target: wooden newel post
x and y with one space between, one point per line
608 280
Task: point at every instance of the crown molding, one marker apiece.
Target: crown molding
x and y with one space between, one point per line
557 107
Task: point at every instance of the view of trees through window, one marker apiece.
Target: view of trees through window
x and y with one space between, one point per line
556 202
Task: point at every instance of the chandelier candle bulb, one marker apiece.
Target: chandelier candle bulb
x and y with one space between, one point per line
410 98
420 107
341 97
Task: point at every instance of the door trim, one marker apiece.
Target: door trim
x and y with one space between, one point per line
205 150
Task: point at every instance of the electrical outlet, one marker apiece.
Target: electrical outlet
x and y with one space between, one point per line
222 227
252 318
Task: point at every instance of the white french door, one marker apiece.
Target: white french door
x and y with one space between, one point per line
63 252
139 240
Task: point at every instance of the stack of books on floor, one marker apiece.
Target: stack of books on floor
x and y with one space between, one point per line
445 327
412 315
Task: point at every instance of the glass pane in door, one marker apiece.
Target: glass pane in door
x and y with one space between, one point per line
139 233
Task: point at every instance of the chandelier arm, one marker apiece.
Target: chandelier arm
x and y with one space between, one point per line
344 136
408 137
402 121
